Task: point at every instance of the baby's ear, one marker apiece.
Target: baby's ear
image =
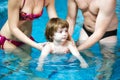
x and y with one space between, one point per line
51 38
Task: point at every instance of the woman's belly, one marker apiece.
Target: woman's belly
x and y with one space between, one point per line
25 28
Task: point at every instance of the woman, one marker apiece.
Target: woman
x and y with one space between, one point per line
15 35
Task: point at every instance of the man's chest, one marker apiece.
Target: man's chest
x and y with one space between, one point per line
88 5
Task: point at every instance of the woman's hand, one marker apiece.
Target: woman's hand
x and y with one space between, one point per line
41 45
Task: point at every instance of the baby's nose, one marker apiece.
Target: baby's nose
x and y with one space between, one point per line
64 33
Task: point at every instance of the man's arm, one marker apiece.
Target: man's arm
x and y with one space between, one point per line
104 18
72 14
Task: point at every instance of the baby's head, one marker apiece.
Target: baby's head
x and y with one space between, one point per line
52 27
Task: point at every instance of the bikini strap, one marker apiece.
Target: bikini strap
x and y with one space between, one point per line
23 4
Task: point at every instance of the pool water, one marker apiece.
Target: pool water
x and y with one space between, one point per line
56 67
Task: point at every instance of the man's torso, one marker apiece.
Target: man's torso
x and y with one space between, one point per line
90 10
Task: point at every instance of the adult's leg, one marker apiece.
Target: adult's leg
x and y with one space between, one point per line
107 46
83 37
23 52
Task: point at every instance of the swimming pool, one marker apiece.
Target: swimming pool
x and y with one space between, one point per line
58 68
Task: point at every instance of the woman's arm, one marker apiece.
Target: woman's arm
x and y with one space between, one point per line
51 9
13 20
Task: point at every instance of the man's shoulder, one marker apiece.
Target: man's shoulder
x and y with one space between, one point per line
106 3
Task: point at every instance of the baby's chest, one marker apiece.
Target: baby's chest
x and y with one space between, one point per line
59 50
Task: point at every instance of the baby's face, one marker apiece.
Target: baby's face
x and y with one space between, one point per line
61 35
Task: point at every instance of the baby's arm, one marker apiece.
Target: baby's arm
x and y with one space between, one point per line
76 53
45 51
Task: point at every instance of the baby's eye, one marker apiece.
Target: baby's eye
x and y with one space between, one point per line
66 30
60 31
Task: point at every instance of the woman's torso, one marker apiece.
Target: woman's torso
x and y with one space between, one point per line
29 7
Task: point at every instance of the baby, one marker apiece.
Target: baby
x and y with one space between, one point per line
59 40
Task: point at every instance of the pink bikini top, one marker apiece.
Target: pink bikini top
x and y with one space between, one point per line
25 16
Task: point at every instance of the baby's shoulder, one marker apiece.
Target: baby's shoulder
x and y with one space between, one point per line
69 43
49 44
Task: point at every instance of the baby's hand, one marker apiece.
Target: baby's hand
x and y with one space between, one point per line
84 65
39 68
66 50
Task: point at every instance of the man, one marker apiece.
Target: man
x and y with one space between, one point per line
100 25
